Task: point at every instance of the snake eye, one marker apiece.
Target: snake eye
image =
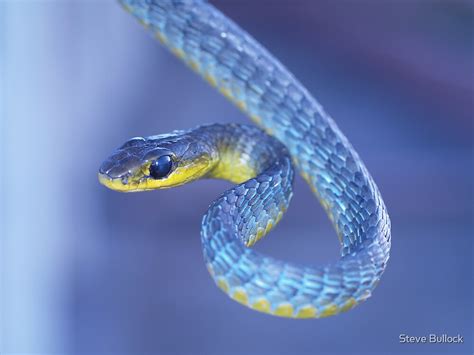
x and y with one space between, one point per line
161 167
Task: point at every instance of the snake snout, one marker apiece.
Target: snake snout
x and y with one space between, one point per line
120 165
115 176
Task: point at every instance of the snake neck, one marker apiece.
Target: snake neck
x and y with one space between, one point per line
240 152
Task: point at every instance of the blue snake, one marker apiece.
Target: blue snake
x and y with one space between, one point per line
293 130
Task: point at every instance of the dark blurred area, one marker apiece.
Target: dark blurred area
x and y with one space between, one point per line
88 270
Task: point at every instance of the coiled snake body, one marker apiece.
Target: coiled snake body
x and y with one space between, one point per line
298 129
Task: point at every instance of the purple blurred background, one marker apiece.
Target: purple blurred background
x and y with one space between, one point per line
88 270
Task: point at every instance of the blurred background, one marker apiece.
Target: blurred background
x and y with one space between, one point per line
88 270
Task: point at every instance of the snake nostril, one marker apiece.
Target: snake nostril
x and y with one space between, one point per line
106 167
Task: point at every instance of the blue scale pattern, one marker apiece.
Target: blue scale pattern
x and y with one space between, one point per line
265 90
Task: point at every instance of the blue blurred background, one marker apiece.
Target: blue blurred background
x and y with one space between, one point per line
88 270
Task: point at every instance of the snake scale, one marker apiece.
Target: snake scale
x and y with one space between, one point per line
294 130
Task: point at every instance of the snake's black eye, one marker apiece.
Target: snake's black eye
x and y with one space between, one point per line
161 167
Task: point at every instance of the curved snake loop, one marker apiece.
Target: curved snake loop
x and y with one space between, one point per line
247 74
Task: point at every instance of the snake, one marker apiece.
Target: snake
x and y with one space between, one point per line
291 132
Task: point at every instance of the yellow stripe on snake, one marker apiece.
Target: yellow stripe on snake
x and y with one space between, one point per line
296 131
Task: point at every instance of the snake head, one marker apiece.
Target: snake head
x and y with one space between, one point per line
156 162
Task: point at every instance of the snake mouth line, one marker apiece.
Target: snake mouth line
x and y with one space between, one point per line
117 184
